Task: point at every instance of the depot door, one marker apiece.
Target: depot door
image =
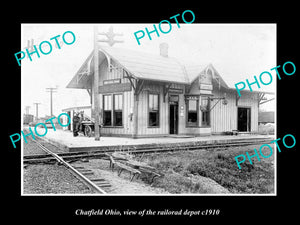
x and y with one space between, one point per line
244 119
173 118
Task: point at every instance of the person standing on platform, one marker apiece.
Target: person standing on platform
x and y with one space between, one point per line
76 123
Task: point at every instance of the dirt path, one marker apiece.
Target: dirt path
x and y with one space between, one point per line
55 179
123 185
120 184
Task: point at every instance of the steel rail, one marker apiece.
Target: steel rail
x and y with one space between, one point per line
141 150
72 169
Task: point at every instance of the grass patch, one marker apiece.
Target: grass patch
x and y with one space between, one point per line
219 166
176 183
223 169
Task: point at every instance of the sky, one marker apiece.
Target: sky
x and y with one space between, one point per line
237 51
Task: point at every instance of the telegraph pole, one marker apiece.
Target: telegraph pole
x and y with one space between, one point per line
96 85
110 36
110 40
51 90
27 109
37 110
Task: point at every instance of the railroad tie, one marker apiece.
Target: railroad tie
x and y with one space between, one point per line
84 170
87 173
97 179
78 167
108 186
103 184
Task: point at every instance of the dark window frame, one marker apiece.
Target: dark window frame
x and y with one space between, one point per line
113 110
118 110
105 111
154 111
192 124
205 114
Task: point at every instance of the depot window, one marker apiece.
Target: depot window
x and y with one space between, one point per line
113 110
205 112
118 107
192 112
153 101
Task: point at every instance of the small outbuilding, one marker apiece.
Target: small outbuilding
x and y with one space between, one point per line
71 111
265 117
142 95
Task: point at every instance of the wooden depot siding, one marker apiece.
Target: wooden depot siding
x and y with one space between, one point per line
224 117
164 109
143 111
126 129
249 99
155 74
116 73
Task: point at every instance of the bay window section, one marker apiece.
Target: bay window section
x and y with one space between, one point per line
205 113
192 113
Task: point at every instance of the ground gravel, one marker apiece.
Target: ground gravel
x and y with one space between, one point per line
51 179
30 148
48 178
119 184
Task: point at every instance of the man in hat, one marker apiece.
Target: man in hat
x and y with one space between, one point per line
76 123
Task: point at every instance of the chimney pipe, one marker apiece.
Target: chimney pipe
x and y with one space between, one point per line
164 49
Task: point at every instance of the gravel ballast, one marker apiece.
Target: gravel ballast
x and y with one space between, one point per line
51 179
31 148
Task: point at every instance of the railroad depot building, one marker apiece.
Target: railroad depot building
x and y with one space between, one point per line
145 95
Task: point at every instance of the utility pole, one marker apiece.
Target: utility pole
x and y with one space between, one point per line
51 90
37 110
96 86
27 109
110 36
110 40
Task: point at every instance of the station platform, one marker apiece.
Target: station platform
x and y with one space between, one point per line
68 143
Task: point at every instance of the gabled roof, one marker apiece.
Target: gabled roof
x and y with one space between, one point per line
146 66
82 78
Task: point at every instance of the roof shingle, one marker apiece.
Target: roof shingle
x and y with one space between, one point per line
146 66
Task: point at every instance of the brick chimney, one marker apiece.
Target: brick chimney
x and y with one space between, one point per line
163 47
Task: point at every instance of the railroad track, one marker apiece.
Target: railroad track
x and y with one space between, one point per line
73 156
99 185
95 184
